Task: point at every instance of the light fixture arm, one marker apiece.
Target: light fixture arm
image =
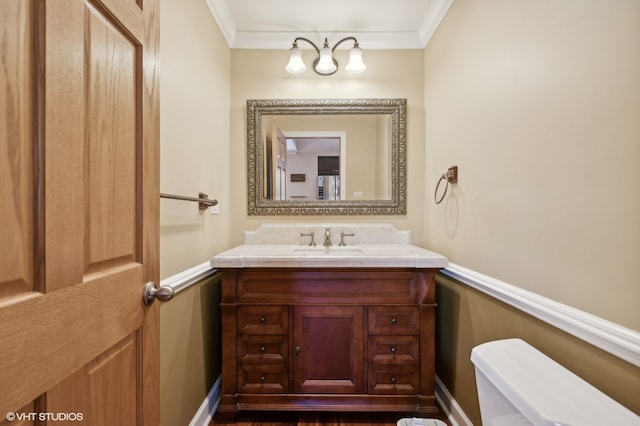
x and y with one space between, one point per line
295 43
345 39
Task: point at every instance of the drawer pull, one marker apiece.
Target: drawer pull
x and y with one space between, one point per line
394 320
298 349
262 348
393 349
262 379
394 380
262 320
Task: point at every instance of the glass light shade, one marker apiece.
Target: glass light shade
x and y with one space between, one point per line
355 65
325 64
296 64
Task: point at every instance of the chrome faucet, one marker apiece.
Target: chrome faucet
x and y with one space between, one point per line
327 238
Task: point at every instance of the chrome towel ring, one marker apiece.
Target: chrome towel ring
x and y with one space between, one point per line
451 176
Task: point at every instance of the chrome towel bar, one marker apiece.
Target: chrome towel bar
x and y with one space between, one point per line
202 200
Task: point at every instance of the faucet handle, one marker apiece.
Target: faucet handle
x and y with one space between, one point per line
310 234
342 235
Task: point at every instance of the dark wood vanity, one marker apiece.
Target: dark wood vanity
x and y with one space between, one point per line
328 339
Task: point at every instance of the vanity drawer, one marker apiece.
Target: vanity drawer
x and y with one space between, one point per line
394 349
393 379
342 286
262 349
263 378
258 319
394 320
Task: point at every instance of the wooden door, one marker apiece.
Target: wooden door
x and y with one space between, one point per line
328 347
79 211
277 168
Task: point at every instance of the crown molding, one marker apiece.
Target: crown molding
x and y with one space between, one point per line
223 17
368 40
433 18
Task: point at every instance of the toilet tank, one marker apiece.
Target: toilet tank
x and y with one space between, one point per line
519 385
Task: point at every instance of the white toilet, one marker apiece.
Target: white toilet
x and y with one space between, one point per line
519 385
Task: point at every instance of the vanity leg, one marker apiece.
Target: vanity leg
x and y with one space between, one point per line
227 410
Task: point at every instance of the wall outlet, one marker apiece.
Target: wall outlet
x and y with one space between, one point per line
214 209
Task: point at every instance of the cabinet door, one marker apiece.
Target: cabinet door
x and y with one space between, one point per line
328 349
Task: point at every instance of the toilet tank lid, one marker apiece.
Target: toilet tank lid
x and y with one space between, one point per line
543 390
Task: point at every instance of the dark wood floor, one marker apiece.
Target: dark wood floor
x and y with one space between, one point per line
318 418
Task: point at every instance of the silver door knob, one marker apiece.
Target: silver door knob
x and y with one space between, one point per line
151 293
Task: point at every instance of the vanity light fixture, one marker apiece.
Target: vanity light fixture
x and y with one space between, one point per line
325 63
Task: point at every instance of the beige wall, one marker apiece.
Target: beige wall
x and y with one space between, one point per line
194 134
537 102
190 355
194 157
260 74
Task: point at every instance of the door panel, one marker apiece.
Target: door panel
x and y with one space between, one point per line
109 384
110 173
16 166
81 136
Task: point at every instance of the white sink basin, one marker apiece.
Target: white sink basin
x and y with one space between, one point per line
328 251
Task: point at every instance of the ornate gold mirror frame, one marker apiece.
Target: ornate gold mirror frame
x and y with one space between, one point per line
258 205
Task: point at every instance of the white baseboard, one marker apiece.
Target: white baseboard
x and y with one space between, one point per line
207 409
450 407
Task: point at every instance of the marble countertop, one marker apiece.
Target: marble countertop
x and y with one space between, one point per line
296 256
373 245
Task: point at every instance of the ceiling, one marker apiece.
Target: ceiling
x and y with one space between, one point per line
377 24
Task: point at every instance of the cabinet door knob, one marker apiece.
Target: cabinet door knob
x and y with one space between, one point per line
262 348
394 320
262 320
298 349
393 349
262 379
394 380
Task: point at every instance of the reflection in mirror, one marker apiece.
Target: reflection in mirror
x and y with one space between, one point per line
331 157
315 157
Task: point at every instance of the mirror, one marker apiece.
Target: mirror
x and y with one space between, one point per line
326 157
